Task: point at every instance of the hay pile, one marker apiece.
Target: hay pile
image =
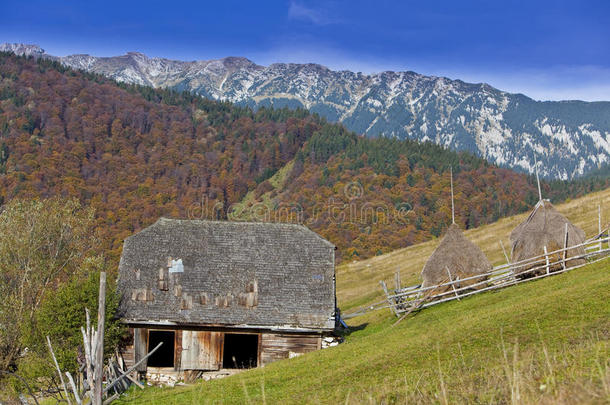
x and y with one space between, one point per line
458 255
545 226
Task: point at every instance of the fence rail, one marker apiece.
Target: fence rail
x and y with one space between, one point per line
405 300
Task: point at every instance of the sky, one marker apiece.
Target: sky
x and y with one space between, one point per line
547 49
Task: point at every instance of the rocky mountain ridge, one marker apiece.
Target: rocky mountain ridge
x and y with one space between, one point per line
570 138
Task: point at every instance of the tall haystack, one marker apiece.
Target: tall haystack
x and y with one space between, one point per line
456 257
545 226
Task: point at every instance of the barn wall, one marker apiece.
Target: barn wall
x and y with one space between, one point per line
178 350
127 352
140 347
276 346
202 350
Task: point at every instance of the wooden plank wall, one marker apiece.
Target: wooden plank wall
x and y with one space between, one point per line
275 346
178 350
201 350
140 346
127 352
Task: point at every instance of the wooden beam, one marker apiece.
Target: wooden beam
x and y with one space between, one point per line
74 389
99 347
452 204
452 285
538 179
61 378
599 223
504 251
546 257
133 380
112 384
565 247
385 290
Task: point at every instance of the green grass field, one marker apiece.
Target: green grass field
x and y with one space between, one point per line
544 341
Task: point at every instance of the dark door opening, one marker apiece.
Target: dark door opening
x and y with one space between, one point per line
240 351
164 356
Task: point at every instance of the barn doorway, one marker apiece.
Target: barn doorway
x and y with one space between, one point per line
164 356
240 350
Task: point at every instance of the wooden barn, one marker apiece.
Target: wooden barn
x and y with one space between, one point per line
223 295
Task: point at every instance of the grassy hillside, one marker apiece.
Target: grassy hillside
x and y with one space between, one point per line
539 342
358 282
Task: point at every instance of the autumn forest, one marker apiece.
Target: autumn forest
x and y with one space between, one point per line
133 154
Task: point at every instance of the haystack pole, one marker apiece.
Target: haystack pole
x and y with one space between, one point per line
546 230
538 179
452 203
455 257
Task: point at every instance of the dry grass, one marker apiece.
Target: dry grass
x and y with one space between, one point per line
543 342
358 282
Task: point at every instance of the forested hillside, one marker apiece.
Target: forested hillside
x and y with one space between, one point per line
372 196
134 153
571 138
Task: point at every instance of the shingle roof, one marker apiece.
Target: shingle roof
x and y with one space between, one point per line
234 274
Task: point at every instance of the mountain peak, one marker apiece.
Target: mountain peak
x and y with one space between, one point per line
569 138
138 54
237 62
22 49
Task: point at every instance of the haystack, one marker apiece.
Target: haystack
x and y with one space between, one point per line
545 226
456 257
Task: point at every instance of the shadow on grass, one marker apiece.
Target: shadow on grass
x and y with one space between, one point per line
352 329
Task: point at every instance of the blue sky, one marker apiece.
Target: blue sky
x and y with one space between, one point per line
546 49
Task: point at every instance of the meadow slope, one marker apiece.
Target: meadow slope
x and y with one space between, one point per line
358 281
540 342
546 341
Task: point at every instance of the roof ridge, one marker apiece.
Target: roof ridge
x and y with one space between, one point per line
220 221
247 223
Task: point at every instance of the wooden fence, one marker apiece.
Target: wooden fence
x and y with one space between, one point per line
404 300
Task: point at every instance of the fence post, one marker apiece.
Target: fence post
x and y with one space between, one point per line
565 247
397 280
98 371
599 225
504 251
385 290
452 285
546 256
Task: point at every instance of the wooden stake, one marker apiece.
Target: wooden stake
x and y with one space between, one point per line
397 280
109 400
452 285
565 247
133 380
538 179
61 378
87 340
99 347
504 250
112 384
546 256
74 390
599 223
385 290
452 203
